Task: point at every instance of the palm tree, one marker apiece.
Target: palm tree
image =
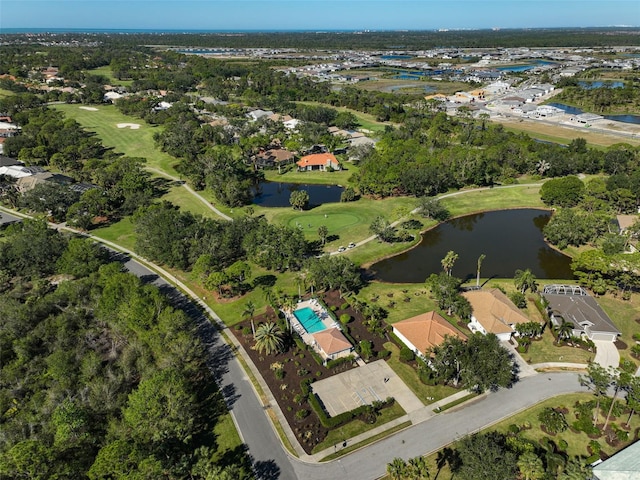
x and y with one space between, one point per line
323 232
448 261
480 260
397 468
249 310
564 330
418 469
525 280
269 338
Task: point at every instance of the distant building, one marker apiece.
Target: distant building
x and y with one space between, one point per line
318 161
273 158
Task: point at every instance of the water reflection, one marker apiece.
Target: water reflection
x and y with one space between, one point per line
277 194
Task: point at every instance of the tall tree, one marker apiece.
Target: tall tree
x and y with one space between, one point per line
480 260
597 380
525 280
323 233
269 338
249 310
448 261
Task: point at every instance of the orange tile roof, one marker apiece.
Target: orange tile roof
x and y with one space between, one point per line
318 159
332 341
427 330
494 311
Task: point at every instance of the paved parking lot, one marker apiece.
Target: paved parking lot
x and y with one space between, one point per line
346 391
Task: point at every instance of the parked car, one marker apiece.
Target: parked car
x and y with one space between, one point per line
351 245
341 249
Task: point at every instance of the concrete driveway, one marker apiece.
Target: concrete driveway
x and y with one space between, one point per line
606 354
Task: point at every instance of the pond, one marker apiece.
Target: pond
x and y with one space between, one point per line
616 118
524 68
510 239
276 194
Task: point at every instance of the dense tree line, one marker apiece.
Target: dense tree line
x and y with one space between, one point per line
102 378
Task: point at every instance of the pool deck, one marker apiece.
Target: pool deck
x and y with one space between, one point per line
322 314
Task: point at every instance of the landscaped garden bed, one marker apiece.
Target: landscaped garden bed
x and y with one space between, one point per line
289 374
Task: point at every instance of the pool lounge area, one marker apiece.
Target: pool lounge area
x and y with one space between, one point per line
313 323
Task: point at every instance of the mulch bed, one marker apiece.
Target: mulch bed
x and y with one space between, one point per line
299 365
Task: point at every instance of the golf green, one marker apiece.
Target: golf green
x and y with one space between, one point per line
335 222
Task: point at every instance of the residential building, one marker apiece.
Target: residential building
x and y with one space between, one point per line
624 465
573 304
332 344
493 312
318 161
274 158
424 331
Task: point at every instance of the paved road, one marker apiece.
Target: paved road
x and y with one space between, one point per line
7 219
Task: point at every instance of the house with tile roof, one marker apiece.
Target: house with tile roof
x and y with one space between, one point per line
273 158
493 312
318 161
424 331
332 344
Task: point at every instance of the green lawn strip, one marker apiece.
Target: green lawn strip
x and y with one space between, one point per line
120 233
340 434
410 378
227 437
455 403
133 143
367 121
494 199
545 350
106 71
624 315
366 442
318 178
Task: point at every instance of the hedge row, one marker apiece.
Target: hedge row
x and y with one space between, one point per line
333 422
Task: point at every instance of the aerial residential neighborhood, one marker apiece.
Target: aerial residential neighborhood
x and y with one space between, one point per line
311 255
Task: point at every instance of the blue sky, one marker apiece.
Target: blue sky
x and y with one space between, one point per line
315 14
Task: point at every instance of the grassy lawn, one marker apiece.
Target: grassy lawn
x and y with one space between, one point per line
408 375
347 222
366 442
624 315
106 71
352 429
419 299
5 93
187 202
494 199
321 178
227 437
134 143
120 233
545 350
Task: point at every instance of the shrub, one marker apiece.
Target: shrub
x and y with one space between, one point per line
279 374
344 306
563 445
299 398
302 372
302 414
383 353
339 361
518 299
407 354
345 318
552 420
246 331
348 195
514 429
595 447
333 308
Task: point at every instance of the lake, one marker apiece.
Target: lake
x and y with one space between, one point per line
616 118
526 67
510 239
276 194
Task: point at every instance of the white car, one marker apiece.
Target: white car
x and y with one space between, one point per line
341 249
352 245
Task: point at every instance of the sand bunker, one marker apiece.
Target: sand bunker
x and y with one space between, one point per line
91 109
132 126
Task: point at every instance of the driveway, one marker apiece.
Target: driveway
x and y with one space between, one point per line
607 354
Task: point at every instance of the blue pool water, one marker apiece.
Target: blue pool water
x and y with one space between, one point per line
309 320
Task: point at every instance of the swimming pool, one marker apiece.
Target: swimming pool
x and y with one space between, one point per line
309 320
